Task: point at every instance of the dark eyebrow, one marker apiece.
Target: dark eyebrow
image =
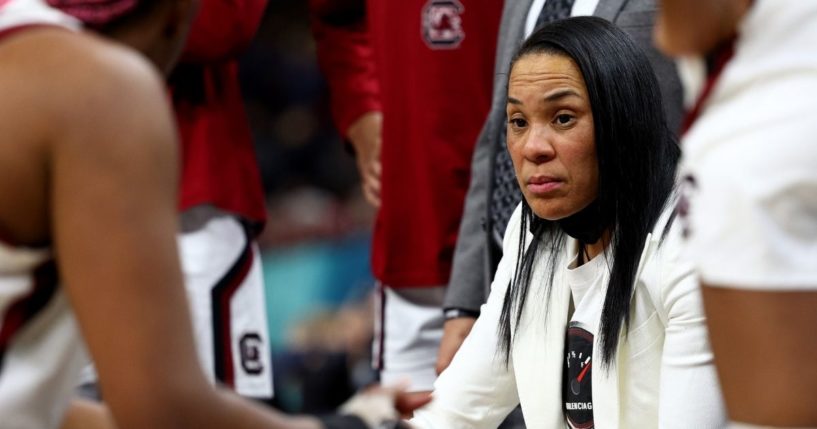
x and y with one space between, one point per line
562 93
567 92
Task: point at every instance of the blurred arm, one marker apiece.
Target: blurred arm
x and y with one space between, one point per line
113 183
454 333
84 414
223 29
752 232
766 346
346 59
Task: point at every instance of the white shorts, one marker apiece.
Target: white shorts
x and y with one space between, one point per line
225 289
408 330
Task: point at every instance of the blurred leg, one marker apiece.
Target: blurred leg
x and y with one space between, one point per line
412 326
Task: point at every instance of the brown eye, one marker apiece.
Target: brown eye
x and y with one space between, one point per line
517 123
564 119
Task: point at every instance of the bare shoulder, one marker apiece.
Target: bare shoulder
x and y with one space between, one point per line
58 59
78 104
81 82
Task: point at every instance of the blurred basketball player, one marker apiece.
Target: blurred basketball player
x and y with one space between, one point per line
88 152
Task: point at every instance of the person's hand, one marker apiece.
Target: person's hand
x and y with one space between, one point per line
85 414
377 405
454 333
365 136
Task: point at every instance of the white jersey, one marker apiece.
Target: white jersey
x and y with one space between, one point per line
18 13
749 171
40 350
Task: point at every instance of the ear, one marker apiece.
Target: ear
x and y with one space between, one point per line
181 16
178 19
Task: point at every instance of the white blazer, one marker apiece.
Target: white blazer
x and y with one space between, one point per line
663 375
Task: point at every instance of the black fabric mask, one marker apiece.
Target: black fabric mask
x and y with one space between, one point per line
587 225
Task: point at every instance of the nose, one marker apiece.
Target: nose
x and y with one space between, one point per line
538 145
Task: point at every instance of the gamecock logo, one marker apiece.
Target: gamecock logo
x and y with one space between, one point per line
442 24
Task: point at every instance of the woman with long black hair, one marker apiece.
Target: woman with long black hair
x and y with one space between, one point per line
595 318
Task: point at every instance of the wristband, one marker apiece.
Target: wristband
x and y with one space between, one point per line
393 424
342 421
456 313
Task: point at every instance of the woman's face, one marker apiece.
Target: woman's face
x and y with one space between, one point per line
550 135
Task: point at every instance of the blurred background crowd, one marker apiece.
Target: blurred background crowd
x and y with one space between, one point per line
316 245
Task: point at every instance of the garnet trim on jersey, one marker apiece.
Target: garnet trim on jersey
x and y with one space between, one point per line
221 296
95 13
380 329
28 306
717 62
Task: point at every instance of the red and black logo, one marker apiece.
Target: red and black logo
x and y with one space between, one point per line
442 24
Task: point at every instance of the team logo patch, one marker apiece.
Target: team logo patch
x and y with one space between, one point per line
250 348
687 189
442 24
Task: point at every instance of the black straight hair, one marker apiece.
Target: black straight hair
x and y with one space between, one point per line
637 157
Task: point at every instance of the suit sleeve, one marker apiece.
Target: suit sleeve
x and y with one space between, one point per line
470 271
346 58
222 30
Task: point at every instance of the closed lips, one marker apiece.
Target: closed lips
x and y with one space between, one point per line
543 184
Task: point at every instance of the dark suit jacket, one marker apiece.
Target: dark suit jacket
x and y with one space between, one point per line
474 263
